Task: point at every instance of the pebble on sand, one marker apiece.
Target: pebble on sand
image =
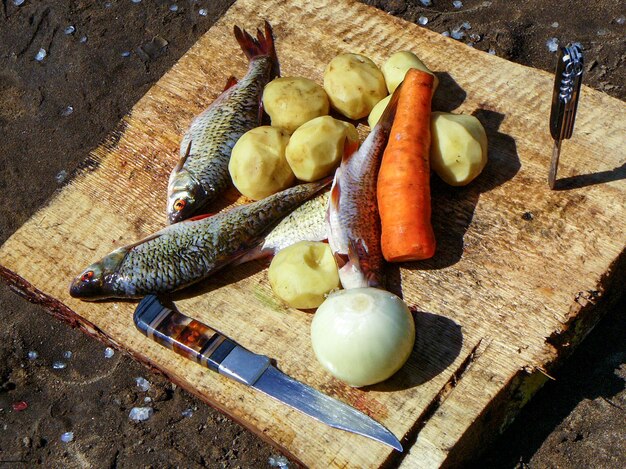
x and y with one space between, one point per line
552 44
140 414
142 383
41 54
279 461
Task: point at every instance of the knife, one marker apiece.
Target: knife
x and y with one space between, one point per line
567 81
198 342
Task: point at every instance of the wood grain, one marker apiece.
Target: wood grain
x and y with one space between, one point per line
511 289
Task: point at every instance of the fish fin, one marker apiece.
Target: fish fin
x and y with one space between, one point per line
335 192
230 82
340 259
388 115
131 246
350 146
199 217
183 159
324 182
262 45
359 257
357 251
261 109
253 254
349 149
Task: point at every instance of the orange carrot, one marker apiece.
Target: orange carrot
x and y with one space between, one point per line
403 189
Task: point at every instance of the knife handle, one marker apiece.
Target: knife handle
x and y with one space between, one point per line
198 342
567 82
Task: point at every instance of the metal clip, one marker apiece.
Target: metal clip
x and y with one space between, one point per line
567 81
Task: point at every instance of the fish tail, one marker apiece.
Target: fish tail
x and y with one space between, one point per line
324 181
262 45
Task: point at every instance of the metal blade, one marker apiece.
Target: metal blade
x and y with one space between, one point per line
554 163
328 410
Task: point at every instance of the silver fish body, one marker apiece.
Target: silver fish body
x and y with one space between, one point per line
202 174
187 252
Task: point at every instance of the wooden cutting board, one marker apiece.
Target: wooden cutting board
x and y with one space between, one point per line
511 289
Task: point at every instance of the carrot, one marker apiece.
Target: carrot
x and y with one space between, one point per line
403 189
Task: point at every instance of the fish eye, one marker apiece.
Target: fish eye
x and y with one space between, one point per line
179 204
87 276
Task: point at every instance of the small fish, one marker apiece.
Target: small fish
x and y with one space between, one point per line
187 252
201 174
353 221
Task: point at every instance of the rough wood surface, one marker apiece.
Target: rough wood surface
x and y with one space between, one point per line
513 284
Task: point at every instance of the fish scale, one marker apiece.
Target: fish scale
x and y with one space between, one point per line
189 251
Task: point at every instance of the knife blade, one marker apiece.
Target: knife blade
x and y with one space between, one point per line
567 81
208 347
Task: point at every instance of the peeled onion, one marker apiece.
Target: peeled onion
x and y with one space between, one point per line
363 335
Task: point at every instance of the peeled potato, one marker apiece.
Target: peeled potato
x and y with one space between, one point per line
458 151
315 148
292 101
354 85
303 273
398 64
257 163
378 110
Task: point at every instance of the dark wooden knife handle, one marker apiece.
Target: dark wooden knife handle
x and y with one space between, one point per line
182 334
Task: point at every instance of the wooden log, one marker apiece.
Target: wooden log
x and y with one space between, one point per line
511 289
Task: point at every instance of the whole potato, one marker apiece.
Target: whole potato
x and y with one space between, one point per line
292 101
315 149
397 65
257 163
378 110
354 85
303 273
458 151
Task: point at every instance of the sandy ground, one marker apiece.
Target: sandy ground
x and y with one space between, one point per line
576 421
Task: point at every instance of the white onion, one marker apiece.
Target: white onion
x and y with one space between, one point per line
362 335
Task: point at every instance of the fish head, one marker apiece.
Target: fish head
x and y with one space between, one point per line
100 279
185 196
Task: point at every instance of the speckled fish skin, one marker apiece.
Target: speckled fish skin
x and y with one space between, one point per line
187 252
202 172
306 223
353 222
